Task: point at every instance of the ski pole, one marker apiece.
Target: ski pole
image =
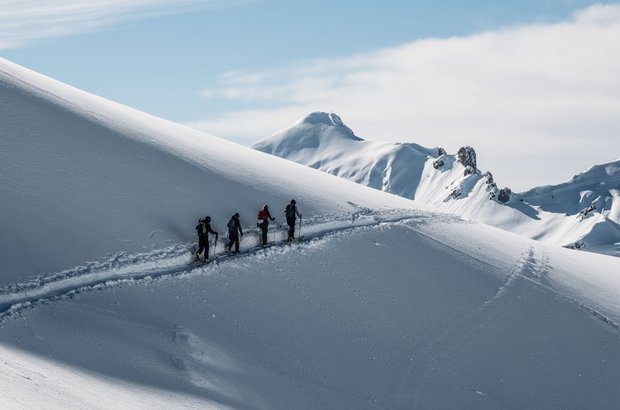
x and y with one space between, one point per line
299 235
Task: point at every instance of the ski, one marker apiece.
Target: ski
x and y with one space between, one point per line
295 240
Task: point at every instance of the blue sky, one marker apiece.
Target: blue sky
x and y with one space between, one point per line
218 64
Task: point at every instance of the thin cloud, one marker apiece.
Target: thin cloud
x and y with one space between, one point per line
539 91
25 21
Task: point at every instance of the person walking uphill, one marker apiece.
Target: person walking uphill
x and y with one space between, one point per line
263 223
291 214
234 230
204 229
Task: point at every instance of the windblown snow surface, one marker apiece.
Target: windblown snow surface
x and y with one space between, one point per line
382 305
582 213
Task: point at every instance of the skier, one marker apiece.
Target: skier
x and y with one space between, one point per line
234 230
204 228
291 214
263 223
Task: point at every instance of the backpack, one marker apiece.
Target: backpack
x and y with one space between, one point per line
231 224
201 228
289 212
262 215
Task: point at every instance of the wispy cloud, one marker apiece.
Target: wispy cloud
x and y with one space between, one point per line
539 92
25 21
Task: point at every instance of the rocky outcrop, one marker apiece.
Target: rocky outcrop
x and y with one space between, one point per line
576 245
490 180
504 195
584 213
467 157
439 163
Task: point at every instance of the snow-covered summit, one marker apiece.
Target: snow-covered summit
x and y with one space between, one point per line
324 142
311 132
328 120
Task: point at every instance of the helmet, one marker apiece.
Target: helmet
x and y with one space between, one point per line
293 201
236 214
208 218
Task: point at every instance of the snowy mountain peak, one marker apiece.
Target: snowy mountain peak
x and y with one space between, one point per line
322 123
323 141
312 131
323 118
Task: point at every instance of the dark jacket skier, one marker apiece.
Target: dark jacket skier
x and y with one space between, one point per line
291 214
264 216
204 229
234 230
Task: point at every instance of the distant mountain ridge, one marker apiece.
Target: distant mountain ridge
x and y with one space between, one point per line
599 188
581 213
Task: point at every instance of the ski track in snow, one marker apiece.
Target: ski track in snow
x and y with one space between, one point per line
123 269
528 268
460 332
535 269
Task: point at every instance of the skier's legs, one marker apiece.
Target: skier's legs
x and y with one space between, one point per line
291 228
231 241
202 244
234 240
264 235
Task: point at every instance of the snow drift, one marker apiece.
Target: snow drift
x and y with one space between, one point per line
383 305
582 213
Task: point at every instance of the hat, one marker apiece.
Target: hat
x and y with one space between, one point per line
293 201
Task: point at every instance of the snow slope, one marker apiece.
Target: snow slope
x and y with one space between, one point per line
82 177
453 183
422 312
383 305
